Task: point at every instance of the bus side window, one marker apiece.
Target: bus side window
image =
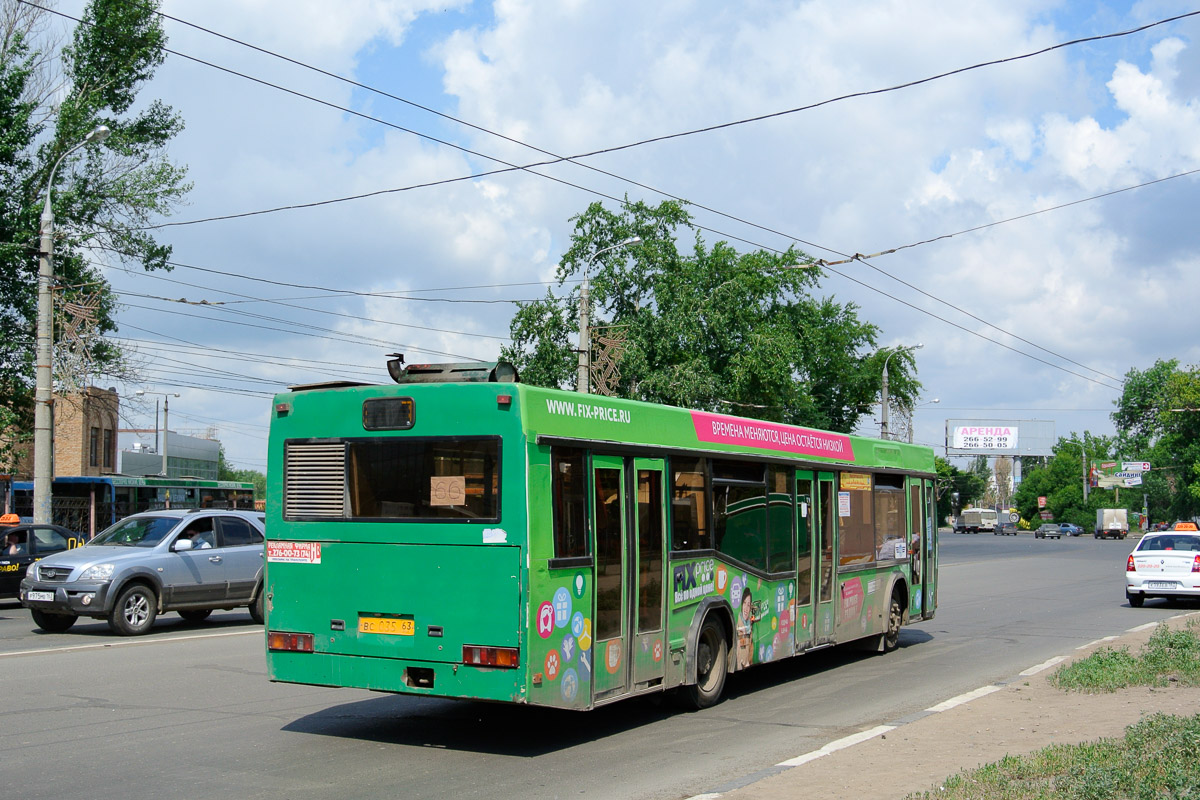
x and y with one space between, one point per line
689 505
569 491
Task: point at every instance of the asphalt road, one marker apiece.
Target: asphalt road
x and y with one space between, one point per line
187 712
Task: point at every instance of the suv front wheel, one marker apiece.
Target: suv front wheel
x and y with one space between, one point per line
134 612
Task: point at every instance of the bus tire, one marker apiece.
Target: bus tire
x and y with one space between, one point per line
135 610
52 623
891 637
712 665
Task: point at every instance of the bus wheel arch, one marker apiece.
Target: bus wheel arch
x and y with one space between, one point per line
710 644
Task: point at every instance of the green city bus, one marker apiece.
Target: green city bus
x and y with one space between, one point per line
460 534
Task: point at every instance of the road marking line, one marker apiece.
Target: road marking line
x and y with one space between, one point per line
1042 666
1097 641
125 643
840 744
975 694
1145 627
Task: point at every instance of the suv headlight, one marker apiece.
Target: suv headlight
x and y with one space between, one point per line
97 572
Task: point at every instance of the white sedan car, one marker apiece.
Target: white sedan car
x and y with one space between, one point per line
1165 564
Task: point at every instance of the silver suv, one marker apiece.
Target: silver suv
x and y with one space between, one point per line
187 560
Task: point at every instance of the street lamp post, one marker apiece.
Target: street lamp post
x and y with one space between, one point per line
43 433
585 350
883 414
166 407
934 401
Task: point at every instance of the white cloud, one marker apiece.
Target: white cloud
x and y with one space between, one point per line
856 176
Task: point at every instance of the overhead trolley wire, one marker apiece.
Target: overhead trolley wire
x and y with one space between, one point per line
686 133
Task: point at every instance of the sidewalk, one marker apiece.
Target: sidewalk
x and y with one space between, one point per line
1025 715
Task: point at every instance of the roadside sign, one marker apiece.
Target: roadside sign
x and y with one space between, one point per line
1136 481
1135 466
1047 515
1041 502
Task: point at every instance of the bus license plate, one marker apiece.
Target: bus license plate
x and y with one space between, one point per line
1160 584
47 597
392 625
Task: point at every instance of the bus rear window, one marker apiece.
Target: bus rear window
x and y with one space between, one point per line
423 479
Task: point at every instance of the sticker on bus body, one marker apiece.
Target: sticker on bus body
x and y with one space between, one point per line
294 552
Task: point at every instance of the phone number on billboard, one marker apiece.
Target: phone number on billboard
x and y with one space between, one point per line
985 442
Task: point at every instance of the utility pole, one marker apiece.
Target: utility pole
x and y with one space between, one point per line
43 425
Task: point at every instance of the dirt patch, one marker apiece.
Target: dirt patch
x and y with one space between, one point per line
1025 716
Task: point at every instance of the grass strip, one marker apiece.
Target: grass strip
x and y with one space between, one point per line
1170 656
1158 758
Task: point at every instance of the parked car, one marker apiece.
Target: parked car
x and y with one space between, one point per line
1070 529
1005 529
21 545
1048 531
1165 564
187 560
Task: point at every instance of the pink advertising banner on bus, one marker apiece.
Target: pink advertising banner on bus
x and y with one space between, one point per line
771 435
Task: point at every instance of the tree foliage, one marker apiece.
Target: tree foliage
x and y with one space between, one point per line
1060 480
708 327
102 197
1158 420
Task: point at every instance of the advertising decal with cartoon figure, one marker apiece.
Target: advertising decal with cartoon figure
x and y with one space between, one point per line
764 611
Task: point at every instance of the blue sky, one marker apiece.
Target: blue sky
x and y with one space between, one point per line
1087 282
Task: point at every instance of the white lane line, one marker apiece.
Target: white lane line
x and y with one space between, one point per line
840 744
1145 627
1043 666
975 694
1096 642
705 796
126 643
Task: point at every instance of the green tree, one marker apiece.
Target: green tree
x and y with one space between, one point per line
1060 480
1158 420
226 472
708 327
102 198
967 485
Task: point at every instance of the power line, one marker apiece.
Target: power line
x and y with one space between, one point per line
711 128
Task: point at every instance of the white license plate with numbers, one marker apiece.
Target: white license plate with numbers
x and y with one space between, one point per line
44 596
1161 584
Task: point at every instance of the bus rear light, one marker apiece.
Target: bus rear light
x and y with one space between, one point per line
294 642
1131 567
508 657
282 409
504 400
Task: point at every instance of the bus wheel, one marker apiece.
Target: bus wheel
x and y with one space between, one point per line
891 638
712 661
52 623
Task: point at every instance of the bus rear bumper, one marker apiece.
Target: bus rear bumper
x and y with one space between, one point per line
397 675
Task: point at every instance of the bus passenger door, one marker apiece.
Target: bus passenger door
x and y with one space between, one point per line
609 649
825 558
930 546
807 547
917 533
647 576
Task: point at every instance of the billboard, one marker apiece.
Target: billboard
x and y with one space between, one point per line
1000 437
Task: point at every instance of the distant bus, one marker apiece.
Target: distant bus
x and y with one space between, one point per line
89 504
479 538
